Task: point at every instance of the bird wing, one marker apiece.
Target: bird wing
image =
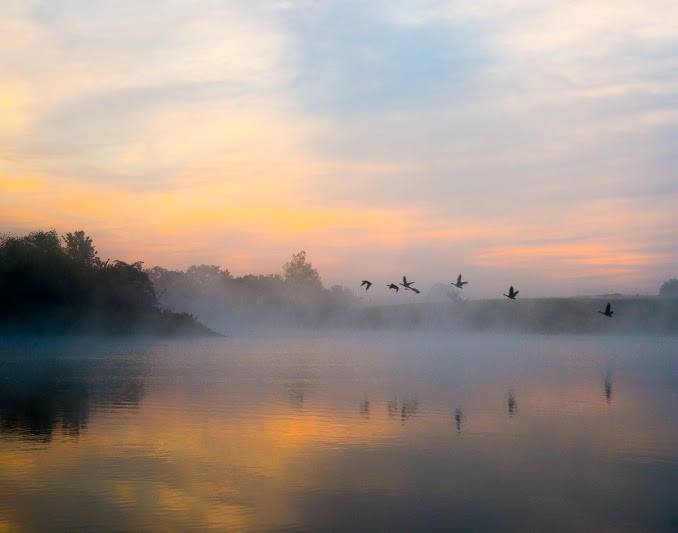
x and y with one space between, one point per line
516 293
415 290
608 307
459 279
404 280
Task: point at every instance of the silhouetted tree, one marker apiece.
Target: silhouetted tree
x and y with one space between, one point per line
669 289
207 275
53 284
218 298
80 248
298 271
128 288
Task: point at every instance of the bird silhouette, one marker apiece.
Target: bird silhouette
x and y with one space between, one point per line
460 284
512 293
408 285
608 311
393 286
366 284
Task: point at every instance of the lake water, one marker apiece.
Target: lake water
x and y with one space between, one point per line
340 432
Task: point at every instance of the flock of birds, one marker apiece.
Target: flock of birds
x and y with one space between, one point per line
459 284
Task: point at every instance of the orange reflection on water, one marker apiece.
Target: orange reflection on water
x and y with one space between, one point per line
229 435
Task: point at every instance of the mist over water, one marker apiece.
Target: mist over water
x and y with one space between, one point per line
298 300
58 284
338 266
340 430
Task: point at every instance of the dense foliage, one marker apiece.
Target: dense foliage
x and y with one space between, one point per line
669 289
56 284
53 284
223 301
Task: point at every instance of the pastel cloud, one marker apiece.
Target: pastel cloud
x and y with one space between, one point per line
523 140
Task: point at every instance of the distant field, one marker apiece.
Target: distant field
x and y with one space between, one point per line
544 315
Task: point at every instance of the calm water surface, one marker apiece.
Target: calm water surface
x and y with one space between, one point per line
340 432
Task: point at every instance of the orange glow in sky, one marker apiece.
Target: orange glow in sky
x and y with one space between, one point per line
429 141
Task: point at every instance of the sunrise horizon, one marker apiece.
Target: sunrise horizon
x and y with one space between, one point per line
339 265
528 143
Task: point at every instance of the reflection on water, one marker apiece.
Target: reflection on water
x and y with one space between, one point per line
608 387
264 434
458 418
365 408
41 392
296 392
404 409
511 403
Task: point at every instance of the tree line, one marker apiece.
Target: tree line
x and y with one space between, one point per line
221 300
53 283
58 284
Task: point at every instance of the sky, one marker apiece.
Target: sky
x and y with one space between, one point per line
520 142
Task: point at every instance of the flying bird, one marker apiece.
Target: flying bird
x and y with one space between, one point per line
366 284
512 293
459 284
608 311
408 285
393 286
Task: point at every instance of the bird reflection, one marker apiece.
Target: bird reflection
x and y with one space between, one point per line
608 387
511 403
408 409
405 409
392 407
458 418
365 408
296 393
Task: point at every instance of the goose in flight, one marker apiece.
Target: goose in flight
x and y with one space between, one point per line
460 284
393 286
366 284
608 311
512 293
408 285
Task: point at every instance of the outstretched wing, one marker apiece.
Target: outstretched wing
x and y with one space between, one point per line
459 280
608 308
404 280
415 290
516 293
